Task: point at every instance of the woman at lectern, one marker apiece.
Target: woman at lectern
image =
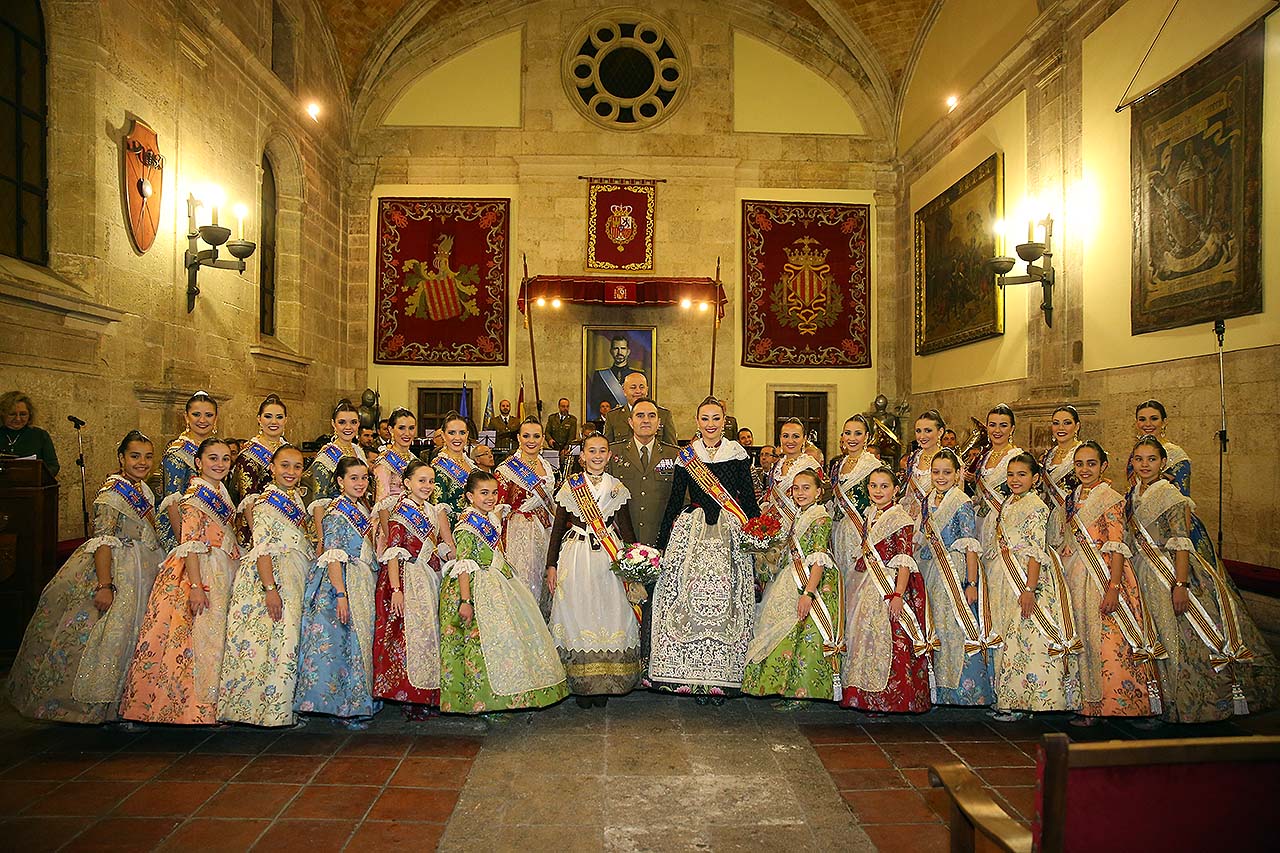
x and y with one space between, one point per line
18 436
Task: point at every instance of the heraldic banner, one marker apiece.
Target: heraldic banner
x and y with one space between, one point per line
442 281
620 224
806 282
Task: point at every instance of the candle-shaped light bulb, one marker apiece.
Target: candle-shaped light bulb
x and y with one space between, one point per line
241 213
1031 230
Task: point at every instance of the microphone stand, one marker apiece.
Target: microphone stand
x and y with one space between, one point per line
1220 329
84 500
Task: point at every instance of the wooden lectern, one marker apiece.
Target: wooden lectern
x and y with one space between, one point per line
28 543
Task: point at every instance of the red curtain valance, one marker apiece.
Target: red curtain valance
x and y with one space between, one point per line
622 290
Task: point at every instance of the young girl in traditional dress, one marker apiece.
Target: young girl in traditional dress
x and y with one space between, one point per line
947 552
452 465
1219 663
592 622
406 642
1117 661
1030 605
335 652
525 486
886 629
75 655
178 465
1057 478
1151 419
264 622
251 471
799 633
704 601
495 651
849 499
917 477
177 663
320 483
989 472
388 471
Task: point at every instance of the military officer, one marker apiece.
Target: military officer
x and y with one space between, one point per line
562 427
617 424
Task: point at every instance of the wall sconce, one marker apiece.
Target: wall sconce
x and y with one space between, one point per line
1031 251
214 235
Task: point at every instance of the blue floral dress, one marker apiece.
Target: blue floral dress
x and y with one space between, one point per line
177 466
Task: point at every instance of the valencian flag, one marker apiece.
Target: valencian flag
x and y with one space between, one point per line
620 217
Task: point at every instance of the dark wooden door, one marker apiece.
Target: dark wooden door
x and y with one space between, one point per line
810 407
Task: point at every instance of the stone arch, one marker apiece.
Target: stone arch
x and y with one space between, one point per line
287 166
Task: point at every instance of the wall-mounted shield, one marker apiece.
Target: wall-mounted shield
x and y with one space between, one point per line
143 180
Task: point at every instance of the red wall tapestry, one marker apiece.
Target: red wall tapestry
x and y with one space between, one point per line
442 281
620 215
806 285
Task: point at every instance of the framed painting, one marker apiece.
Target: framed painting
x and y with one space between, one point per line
1196 172
957 299
609 353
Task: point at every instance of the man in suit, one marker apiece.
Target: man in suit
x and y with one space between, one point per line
617 424
562 427
504 426
606 384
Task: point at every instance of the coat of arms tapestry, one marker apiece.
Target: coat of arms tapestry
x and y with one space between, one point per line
806 284
442 281
620 215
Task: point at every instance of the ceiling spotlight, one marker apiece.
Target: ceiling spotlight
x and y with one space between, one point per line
555 303
951 102
686 303
702 306
313 110
541 302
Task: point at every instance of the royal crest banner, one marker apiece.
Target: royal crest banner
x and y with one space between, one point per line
442 281
620 215
806 284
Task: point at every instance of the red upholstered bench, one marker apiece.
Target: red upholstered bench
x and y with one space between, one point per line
1170 795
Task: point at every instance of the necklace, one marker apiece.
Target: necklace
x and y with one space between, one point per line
12 440
1060 452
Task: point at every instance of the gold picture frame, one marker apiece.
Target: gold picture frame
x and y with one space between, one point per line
598 356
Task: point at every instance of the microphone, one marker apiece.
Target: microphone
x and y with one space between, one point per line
78 423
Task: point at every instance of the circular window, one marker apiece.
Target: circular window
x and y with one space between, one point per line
625 70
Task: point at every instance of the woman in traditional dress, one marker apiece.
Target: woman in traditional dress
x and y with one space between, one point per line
989 472
704 601
388 471
1117 661
525 486
1030 605
495 651
592 622
1058 476
178 660
799 632
251 471
794 456
452 465
335 652
75 655
320 483
1150 419
264 622
849 498
947 552
1219 663
406 641
886 628
178 465
918 469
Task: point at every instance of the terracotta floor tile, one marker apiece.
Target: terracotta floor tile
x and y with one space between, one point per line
911 838
238 742
38 834
834 733
170 740
867 780
332 802
199 767
431 773
16 795
281 768
382 746
51 767
917 777
918 754
889 807
1022 800
948 732
446 746
301 743
215 836
379 836
899 732
1008 776
167 797
127 765
414 804
938 800
120 834
306 836
88 797
250 801
345 770
991 755
855 756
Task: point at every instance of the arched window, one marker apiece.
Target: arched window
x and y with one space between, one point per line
24 187
267 252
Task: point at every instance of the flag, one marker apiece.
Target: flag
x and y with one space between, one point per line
463 408
520 402
488 404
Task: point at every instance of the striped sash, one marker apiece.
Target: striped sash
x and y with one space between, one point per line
710 483
974 640
1062 640
923 638
590 512
830 628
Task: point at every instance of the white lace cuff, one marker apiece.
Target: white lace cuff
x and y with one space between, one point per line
819 558
1179 543
458 568
321 504
967 545
98 541
904 561
444 551
1116 548
396 553
333 555
170 499
195 546
1031 552
266 549
387 504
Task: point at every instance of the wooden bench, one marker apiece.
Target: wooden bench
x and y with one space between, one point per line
1169 795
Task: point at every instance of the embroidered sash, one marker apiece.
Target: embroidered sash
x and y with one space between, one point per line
923 639
590 511
212 503
289 508
990 500
831 629
416 520
485 529
398 463
345 507
710 483
525 476
455 471
1062 640
974 640
135 499
256 452
330 456
184 447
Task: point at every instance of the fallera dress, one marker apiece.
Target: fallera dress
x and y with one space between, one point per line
178 660
451 482
250 476
528 525
177 467
777 503
320 484
989 493
918 481
849 498
1057 480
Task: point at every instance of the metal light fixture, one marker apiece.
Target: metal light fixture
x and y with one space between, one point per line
214 235
1032 251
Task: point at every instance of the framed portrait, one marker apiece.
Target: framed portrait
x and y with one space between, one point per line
957 300
1196 171
609 353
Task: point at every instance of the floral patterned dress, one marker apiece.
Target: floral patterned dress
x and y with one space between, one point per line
918 482
849 498
320 483
990 491
250 476
177 467
528 525
335 659
1057 479
789 657
178 659
451 482
72 664
503 658
388 484
1113 682
963 662
777 503
406 649
884 671
260 665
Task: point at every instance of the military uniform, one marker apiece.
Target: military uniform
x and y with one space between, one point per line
617 426
562 430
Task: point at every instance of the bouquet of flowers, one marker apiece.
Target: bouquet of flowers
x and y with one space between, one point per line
762 532
638 564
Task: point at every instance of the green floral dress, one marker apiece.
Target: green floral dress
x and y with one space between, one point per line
786 657
503 658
